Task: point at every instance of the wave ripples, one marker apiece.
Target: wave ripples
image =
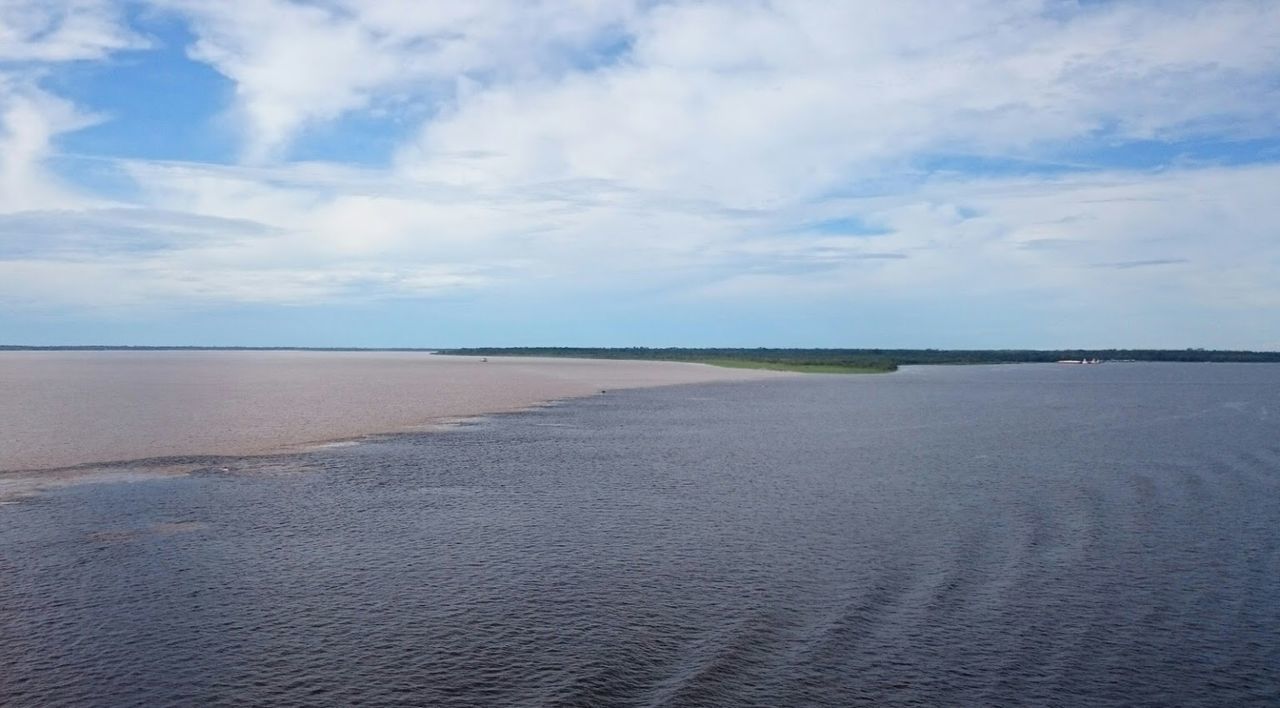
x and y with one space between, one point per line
952 536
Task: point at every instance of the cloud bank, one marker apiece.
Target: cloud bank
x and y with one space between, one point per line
1052 173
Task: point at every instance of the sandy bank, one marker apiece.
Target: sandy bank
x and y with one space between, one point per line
59 409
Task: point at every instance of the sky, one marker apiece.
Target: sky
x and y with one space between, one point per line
405 173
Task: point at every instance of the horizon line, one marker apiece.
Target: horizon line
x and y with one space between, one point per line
232 347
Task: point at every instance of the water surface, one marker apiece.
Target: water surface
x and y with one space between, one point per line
942 536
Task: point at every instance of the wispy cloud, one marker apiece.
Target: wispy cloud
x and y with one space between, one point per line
124 229
1147 263
63 30
297 64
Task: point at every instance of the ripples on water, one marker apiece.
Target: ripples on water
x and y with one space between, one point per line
975 536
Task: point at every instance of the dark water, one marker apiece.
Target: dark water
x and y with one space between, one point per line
1043 535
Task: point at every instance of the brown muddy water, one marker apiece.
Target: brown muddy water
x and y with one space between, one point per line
69 408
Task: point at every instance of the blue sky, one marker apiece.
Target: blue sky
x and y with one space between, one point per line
787 173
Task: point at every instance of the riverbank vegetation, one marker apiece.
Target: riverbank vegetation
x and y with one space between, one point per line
870 360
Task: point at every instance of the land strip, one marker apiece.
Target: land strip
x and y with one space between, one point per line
871 360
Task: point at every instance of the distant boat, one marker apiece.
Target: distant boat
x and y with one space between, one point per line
1079 361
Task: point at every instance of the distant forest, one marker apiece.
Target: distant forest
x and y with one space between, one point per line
877 359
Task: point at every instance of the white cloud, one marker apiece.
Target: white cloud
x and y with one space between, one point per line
29 119
1191 240
1195 240
299 64
755 104
34 35
163 283
585 149
62 30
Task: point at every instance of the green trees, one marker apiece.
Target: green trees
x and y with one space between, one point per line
873 359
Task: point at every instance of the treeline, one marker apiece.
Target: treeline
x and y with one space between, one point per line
1016 356
881 359
884 359
845 358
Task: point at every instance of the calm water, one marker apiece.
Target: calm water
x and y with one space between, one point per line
988 535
